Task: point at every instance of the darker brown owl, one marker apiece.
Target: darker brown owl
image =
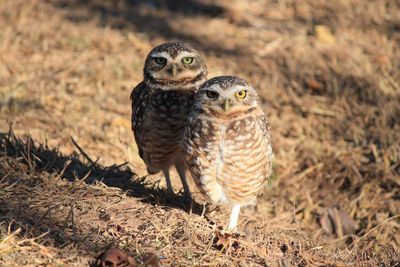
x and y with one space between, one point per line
160 104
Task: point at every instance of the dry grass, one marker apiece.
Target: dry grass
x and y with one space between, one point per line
332 92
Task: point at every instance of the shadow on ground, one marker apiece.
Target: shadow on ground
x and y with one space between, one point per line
44 195
153 18
40 158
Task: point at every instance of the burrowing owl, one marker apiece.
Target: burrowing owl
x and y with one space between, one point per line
227 143
160 104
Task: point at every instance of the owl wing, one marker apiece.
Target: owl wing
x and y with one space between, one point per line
189 137
194 152
139 97
265 126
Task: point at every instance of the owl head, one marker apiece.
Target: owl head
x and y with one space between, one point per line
174 65
225 95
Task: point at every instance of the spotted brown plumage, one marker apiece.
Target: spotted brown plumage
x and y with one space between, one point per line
227 143
160 104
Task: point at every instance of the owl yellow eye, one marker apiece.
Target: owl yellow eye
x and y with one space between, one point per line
160 60
211 94
241 94
187 60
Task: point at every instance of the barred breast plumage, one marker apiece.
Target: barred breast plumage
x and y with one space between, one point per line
159 126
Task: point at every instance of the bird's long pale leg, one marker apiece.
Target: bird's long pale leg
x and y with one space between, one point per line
233 219
170 190
180 167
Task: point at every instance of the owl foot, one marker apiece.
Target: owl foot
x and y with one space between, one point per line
233 219
187 196
170 190
182 174
170 194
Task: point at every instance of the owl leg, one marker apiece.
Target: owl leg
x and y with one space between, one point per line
233 220
170 190
182 174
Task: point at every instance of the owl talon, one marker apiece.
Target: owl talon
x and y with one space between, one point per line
170 191
169 195
186 194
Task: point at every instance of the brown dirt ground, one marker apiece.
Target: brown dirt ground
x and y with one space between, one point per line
328 75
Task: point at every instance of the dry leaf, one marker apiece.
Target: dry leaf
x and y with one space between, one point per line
338 222
151 259
382 60
324 34
121 122
223 239
115 257
313 84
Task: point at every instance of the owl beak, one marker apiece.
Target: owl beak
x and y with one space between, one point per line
174 70
227 105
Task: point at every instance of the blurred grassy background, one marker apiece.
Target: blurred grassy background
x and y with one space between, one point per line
327 72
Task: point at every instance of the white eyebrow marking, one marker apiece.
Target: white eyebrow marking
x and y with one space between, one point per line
216 87
239 88
162 54
227 93
185 54
168 57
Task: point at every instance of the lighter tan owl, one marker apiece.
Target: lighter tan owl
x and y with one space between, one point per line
227 144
